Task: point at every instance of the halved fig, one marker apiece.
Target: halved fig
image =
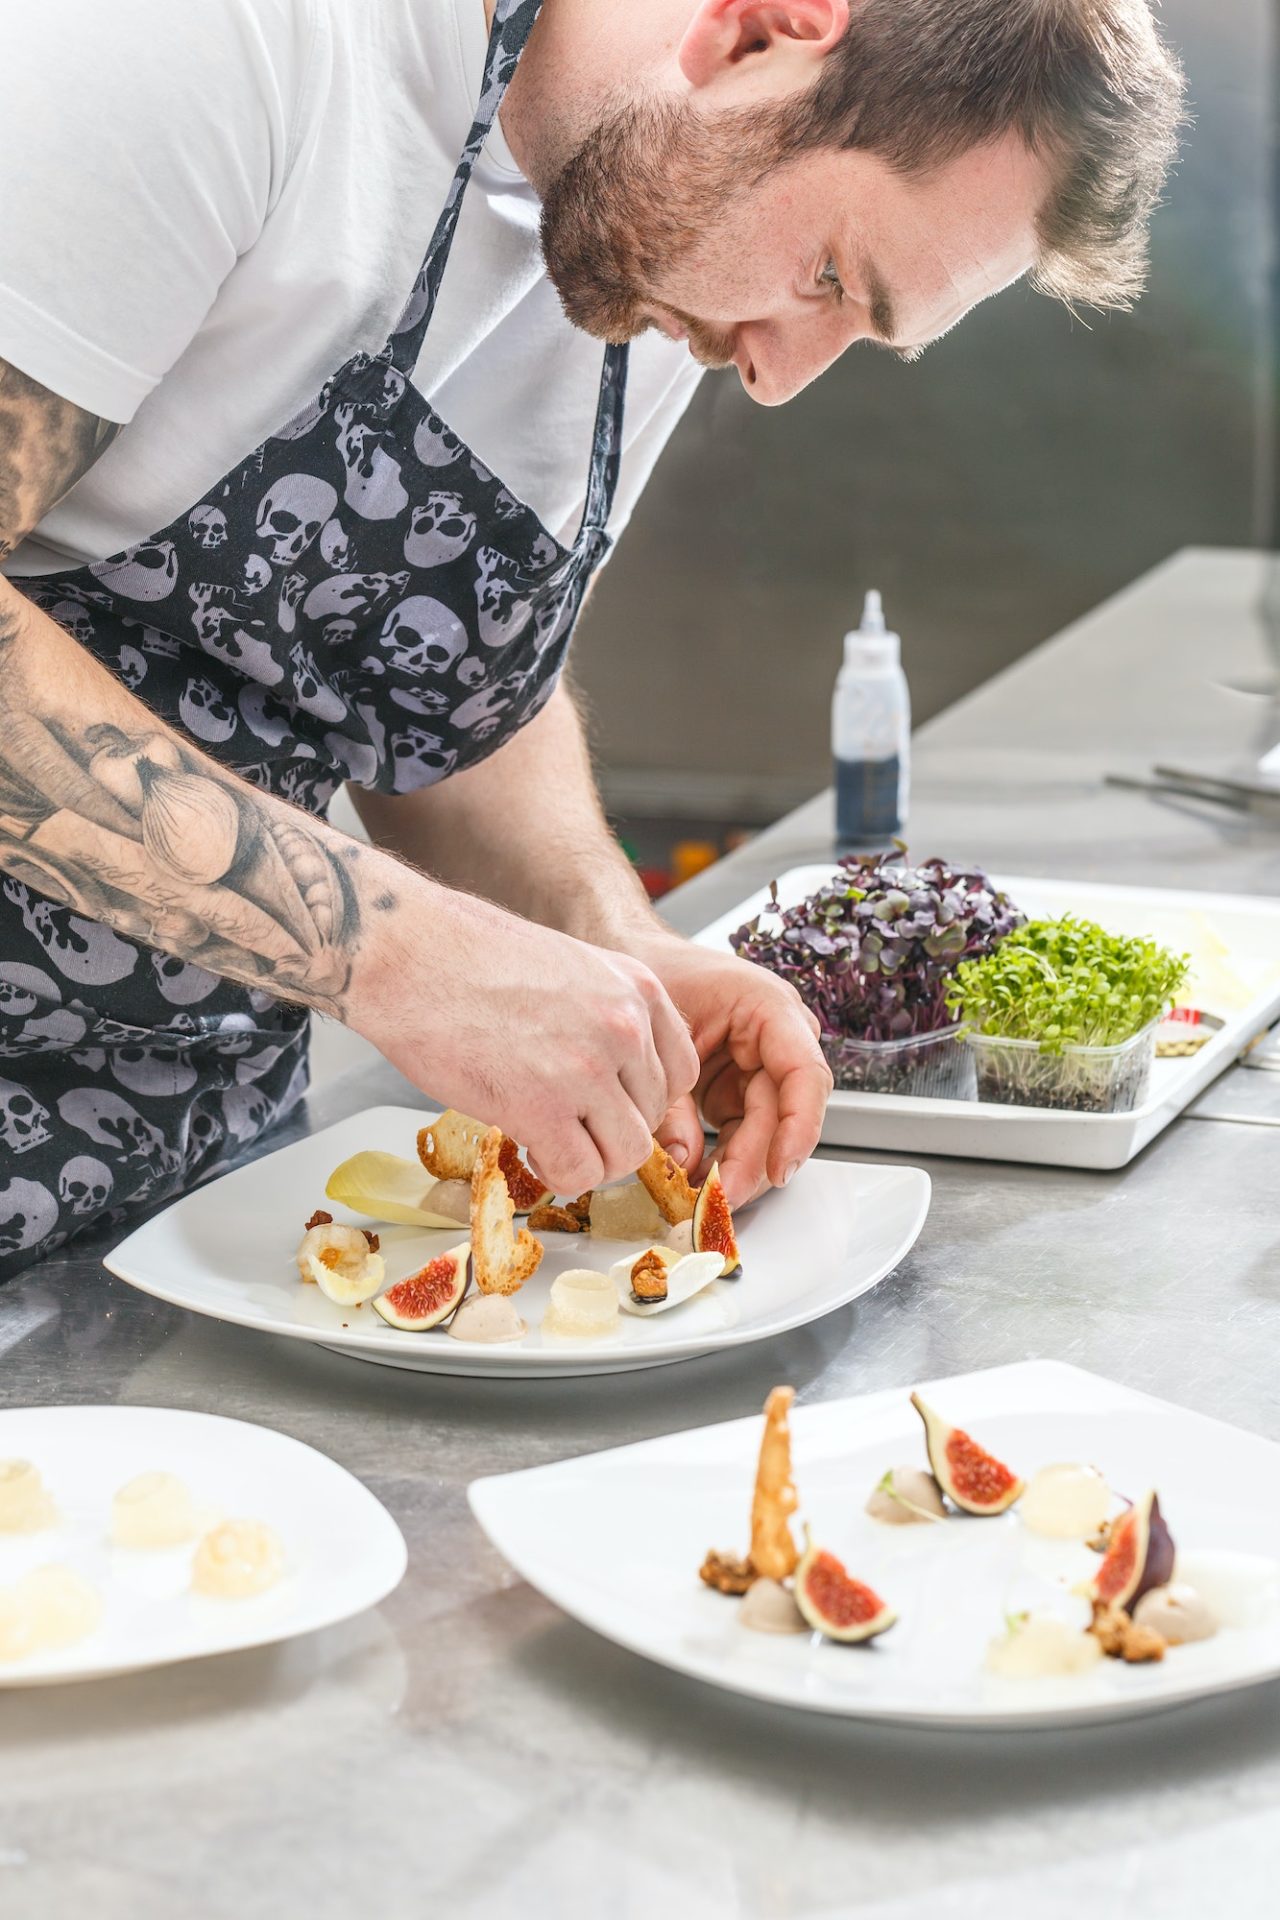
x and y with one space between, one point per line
526 1192
713 1225
970 1476
833 1602
429 1296
1139 1556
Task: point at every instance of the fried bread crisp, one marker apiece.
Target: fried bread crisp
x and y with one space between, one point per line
502 1258
667 1186
448 1147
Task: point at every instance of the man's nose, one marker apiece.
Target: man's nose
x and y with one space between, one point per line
776 359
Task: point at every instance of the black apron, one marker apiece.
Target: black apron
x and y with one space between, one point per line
360 599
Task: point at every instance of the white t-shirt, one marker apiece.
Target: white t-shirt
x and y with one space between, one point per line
205 209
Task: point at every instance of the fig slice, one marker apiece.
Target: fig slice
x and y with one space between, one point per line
833 1602
971 1477
1139 1556
382 1186
526 1191
427 1297
713 1225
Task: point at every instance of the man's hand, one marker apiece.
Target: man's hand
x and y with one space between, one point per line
575 1052
763 1082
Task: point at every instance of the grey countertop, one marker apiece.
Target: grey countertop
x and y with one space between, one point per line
468 1749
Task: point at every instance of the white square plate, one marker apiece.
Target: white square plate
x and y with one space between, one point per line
227 1249
616 1539
343 1551
1235 946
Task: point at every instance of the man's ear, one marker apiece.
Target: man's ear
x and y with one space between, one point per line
778 43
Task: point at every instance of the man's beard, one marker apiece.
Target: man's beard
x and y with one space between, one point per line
633 202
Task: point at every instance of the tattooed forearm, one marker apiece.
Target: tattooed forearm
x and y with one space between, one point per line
107 811
46 445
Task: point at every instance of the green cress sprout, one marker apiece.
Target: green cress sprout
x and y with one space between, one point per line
1067 983
1056 991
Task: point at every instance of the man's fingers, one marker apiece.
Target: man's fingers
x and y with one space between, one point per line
622 1138
743 1160
801 1102
681 1134
676 1051
568 1163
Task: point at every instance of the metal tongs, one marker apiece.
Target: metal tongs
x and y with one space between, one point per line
1238 796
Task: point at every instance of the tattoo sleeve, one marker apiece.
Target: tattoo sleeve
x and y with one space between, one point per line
108 811
46 445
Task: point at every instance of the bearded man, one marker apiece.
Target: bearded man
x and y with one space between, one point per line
309 450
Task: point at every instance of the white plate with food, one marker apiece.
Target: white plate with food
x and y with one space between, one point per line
136 1536
230 1250
1125 1556
1234 945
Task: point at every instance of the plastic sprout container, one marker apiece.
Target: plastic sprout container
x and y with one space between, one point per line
1021 1073
931 1066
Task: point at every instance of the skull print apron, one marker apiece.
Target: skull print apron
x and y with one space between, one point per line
360 599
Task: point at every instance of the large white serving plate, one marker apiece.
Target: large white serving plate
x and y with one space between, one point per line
343 1551
227 1250
1235 941
616 1539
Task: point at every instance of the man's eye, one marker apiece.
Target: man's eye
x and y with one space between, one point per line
830 278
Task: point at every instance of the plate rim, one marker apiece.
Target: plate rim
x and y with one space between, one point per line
1116 1397
380 1515
524 1363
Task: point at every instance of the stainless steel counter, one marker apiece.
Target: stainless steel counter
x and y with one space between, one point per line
467 1749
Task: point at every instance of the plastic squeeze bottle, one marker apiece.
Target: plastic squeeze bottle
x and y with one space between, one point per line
871 735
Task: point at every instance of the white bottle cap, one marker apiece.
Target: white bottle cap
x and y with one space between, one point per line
870 645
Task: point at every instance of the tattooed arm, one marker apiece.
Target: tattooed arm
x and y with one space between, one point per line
46 445
105 809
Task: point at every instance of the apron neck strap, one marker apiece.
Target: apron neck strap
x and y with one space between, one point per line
513 22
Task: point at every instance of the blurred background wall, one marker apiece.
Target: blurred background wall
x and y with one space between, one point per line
1028 466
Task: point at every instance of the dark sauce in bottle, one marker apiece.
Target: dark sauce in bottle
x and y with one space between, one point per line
868 803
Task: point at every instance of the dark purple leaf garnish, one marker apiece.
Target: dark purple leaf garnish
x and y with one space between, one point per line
874 950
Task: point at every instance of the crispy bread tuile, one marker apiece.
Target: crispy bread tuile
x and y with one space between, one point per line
448 1147
502 1258
667 1186
773 1551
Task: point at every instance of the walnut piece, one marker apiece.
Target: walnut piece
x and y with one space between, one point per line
550 1219
726 1573
649 1275
1121 1638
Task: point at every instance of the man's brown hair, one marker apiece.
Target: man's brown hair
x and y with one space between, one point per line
1087 83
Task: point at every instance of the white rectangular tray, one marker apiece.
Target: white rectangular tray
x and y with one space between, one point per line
1235 944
